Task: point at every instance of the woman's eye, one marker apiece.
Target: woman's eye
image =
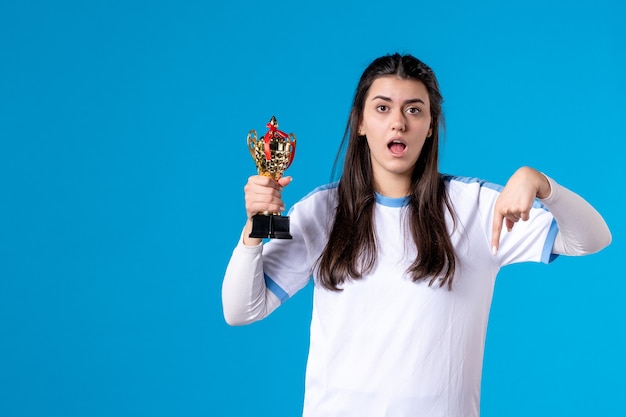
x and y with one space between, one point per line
413 110
382 107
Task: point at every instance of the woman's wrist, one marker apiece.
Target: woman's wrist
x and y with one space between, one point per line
544 189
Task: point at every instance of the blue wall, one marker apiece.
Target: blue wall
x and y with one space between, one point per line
123 158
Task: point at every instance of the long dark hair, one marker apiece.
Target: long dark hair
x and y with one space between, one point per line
351 249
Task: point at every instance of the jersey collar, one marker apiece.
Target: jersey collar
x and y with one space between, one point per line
392 202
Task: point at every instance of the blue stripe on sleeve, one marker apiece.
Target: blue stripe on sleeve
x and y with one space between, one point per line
546 255
275 288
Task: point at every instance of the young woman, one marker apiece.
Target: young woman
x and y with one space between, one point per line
404 259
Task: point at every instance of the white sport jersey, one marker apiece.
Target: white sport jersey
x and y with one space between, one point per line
385 345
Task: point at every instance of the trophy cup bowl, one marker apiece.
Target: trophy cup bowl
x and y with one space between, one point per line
272 154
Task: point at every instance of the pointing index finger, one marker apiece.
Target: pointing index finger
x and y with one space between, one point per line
496 230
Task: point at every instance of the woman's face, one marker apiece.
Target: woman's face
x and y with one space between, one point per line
396 121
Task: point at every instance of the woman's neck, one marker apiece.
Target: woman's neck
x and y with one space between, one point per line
393 186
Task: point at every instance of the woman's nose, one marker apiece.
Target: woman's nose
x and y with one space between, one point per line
398 124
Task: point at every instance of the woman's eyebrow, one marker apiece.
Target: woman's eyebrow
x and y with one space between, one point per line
409 101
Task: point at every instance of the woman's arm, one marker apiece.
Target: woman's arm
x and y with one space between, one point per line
582 230
245 297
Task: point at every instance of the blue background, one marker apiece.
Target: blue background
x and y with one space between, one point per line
123 160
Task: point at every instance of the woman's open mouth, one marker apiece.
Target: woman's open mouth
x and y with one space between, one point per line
397 147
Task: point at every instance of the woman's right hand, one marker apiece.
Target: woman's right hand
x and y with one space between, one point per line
262 194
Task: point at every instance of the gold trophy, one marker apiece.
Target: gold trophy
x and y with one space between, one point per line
272 154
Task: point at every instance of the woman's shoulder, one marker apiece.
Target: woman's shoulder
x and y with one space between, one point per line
320 197
468 192
315 209
460 183
324 190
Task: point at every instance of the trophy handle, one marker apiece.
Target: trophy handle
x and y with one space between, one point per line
292 144
251 141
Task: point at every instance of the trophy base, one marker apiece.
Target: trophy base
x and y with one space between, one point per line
270 226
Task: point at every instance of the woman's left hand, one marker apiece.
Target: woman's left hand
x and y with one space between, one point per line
516 200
